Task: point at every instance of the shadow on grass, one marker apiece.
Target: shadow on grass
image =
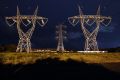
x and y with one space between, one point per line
53 69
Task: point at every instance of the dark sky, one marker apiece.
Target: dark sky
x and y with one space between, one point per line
57 11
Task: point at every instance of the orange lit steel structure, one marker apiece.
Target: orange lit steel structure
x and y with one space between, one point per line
60 36
90 43
24 41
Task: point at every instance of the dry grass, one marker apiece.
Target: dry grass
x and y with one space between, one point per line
24 58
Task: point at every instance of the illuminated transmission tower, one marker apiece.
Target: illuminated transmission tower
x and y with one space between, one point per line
24 41
90 43
60 36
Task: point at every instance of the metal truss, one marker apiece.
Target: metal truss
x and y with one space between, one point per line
60 36
24 43
90 43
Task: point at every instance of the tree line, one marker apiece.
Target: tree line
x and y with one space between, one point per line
12 48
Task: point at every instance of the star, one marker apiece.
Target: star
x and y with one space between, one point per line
29 8
105 7
6 7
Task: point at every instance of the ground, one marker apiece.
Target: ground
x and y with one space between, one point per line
19 66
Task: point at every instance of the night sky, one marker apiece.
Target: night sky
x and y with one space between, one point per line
58 11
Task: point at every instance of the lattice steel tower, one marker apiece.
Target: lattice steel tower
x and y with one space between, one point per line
24 41
60 36
90 43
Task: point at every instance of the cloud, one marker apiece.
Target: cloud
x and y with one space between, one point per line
109 28
74 35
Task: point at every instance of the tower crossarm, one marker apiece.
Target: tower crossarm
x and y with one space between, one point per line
90 17
30 17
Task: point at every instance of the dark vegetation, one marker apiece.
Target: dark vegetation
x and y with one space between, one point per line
114 49
12 48
8 48
53 69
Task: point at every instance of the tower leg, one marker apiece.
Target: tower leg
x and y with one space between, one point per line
91 45
60 47
28 48
24 44
19 46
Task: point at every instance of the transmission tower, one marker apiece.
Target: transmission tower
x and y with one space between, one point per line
90 43
24 41
60 36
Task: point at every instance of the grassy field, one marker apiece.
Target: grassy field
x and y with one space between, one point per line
103 66
25 58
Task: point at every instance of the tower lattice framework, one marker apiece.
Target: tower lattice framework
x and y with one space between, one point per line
24 37
60 37
90 37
